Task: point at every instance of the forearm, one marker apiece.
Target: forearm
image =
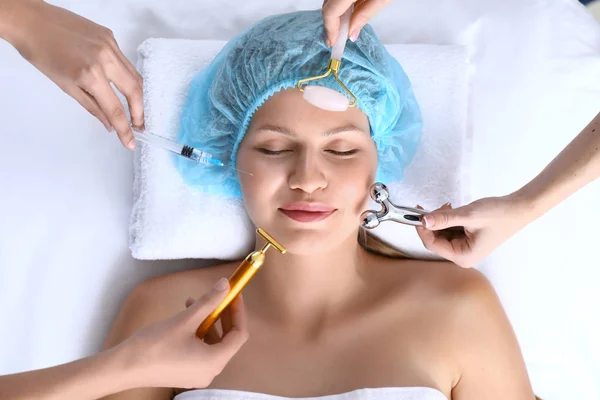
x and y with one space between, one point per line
89 378
12 16
576 166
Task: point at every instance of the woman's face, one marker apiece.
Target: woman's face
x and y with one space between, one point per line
312 172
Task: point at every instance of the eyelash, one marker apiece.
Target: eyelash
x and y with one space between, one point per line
335 153
272 152
343 153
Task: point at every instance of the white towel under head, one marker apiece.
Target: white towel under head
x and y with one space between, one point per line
171 220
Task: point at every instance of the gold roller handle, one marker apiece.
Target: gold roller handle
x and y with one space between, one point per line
240 278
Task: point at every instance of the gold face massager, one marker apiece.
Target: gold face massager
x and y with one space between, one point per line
240 278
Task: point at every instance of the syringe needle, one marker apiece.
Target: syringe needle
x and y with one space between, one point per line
239 170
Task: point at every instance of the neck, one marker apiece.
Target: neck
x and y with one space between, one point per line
304 289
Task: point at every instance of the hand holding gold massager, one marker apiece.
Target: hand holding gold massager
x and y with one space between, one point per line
240 278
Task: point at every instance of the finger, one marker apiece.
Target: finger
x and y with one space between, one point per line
137 111
212 335
226 320
426 236
115 46
231 343
127 83
461 245
222 352
363 13
112 107
136 120
237 335
438 245
87 102
236 318
446 217
332 11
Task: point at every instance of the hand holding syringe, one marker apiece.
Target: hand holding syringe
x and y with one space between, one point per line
188 152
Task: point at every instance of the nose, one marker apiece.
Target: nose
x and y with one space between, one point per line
308 175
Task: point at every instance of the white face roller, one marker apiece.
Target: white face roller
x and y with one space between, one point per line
326 98
323 97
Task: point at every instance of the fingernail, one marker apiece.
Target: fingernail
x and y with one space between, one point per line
222 284
131 144
429 221
354 35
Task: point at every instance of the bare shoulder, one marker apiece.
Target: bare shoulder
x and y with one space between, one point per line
481 346
443 280
464 284
466 291
162 297
465 297
463 304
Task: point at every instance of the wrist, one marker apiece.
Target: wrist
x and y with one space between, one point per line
130 359
123 368
13 18
529 201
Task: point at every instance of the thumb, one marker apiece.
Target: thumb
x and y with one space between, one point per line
446 218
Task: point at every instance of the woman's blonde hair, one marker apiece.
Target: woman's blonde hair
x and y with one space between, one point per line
375 245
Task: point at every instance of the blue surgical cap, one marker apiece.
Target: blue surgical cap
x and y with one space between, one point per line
274 54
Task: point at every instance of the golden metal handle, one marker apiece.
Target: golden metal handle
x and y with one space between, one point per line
240 278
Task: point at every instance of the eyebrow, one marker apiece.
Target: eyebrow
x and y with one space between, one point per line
288 132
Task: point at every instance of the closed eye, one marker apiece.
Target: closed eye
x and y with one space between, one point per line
272 152
343 153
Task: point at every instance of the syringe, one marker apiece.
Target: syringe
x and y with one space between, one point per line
188 152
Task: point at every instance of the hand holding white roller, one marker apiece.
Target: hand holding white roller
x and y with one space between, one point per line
323 97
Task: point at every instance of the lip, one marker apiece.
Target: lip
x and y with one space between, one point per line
307 212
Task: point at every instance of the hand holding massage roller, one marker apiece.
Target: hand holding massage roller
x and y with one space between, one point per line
326 98
240 278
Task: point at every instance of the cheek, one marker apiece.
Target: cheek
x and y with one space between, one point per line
257 190
355 181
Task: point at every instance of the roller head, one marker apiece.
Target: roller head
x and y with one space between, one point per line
270 241
369 220
326 98
379 192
